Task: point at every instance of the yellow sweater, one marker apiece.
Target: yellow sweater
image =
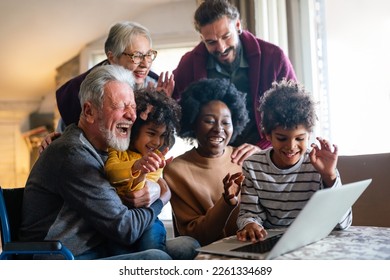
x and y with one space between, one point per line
118 170
196 185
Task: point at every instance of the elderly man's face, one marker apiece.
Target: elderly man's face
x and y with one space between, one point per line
221 39
118 115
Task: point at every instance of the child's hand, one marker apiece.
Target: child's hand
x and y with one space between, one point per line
324 160
232 187
252 232
151 162
162 155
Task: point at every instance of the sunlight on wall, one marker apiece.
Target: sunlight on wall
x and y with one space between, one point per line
358 69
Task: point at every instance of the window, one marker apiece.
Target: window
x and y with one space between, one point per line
168 58
358 44
340 53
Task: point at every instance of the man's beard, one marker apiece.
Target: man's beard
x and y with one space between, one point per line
217 54
234 65
120 144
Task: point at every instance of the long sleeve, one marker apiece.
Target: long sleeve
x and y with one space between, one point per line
274 197
205 228
118 168
251 210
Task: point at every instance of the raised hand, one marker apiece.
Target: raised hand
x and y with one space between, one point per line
324 160
232 187
152 161
166 83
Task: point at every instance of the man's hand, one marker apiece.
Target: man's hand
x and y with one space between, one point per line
143 197
244 151
48 139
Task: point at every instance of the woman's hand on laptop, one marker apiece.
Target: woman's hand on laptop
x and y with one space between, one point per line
252 232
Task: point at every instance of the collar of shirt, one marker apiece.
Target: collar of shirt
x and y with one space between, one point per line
212 63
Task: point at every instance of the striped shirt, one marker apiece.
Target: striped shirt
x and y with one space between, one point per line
273 197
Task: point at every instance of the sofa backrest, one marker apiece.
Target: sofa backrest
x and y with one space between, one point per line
373 207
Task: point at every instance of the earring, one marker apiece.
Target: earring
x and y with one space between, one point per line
239 31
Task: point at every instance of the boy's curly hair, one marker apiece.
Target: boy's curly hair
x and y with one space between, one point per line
200 93
159 109
287 104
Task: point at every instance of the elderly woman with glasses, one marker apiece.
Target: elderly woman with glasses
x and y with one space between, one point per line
128 44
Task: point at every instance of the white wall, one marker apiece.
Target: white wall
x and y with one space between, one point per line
358 44
171 23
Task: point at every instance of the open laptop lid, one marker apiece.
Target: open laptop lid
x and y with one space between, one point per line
316 220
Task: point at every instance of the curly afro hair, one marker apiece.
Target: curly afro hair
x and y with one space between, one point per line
201 93
288 105
160 109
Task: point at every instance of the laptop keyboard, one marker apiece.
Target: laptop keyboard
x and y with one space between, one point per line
261 246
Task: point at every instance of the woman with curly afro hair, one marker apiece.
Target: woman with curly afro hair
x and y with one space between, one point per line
205 182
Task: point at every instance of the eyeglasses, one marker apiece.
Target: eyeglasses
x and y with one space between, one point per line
138 57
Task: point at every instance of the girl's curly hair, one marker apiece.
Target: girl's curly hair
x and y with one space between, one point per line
200 93
287 104
160 110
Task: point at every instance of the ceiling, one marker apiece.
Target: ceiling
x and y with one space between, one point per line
38 36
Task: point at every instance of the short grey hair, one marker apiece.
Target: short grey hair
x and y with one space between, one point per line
122 34
92 88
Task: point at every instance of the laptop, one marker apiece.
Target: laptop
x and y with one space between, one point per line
324 210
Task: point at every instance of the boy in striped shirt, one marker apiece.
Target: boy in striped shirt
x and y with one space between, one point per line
280 180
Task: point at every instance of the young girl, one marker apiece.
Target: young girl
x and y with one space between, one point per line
157 120
280 180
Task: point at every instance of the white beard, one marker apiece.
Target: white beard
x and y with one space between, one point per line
120 144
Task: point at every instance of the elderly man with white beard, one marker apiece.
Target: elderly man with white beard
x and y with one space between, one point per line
67 195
